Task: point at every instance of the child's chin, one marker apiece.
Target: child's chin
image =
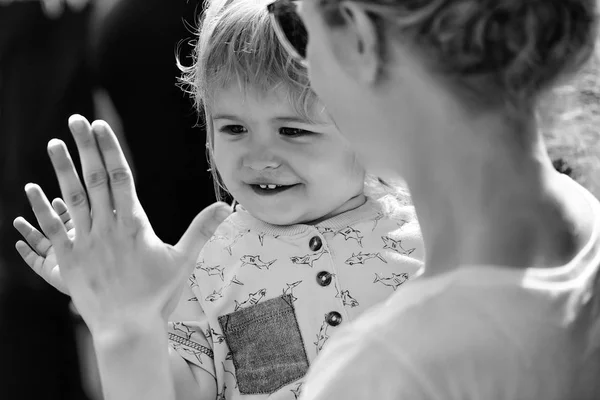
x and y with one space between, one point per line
275 217
283 220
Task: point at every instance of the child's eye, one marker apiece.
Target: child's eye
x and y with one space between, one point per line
294 132
233 129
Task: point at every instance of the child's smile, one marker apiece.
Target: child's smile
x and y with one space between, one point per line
271 182
271 189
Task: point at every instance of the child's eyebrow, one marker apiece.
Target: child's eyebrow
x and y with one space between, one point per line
224 116
291 118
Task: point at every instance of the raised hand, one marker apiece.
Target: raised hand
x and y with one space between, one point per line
115 268
38 252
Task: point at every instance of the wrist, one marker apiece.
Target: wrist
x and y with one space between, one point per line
127 332
133 359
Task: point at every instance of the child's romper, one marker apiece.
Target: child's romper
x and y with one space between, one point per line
263 299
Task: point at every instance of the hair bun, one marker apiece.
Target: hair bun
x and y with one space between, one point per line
525 45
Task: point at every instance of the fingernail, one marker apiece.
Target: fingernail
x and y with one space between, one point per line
77 124
98 126
76 121
78 127
52 144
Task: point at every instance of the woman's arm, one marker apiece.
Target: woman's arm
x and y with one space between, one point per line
191 382
140 352
132 354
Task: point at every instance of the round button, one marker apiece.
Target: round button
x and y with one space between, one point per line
315 243
334 318
324 278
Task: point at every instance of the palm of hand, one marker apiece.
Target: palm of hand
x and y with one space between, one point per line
136 269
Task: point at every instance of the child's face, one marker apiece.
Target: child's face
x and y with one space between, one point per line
261 141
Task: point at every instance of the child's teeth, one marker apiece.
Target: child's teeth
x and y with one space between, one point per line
272 186
267 186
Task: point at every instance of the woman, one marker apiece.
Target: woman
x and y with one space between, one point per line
444 92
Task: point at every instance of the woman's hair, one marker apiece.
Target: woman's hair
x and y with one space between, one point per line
493 52
236 45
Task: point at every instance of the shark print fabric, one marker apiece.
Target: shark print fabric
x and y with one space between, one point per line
264 300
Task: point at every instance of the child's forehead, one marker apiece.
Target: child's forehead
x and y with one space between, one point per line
279 99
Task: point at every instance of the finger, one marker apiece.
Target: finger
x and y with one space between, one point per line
30 257
36 263
122 187
94 172
63 212
202 229
34 238
50 223
70 186
38 259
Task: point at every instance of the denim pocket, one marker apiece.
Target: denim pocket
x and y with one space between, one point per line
266 345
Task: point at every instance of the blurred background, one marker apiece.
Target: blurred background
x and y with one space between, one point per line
104 59
115 60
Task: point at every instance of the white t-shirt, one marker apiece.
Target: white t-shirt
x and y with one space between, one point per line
481 333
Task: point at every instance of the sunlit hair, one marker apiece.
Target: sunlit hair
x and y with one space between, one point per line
236 45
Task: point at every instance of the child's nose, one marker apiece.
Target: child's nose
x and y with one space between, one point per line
259 165
261 159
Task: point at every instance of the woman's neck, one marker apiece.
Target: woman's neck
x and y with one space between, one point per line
492 197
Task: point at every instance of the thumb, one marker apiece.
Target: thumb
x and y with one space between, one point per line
202 228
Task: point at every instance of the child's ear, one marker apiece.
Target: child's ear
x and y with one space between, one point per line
356 43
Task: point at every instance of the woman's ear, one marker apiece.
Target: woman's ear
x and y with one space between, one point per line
356 43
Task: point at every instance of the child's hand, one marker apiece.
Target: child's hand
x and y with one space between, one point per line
117 271
38 252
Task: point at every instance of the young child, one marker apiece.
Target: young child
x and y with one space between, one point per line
307 250
314 240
